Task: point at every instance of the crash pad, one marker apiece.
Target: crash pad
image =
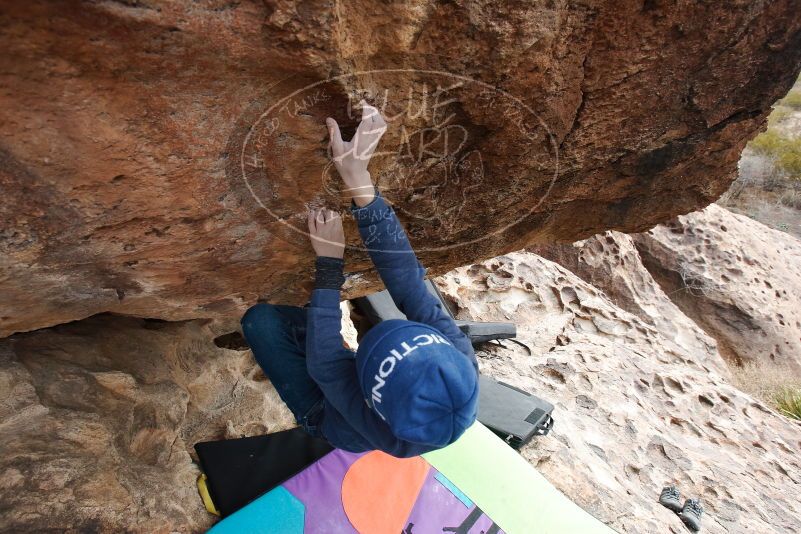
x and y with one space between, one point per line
379 491
476 485
507 488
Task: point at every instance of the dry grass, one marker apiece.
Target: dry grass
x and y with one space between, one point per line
786 151
792 100
763 193
783 147
788 401
778 114
768 185
776 385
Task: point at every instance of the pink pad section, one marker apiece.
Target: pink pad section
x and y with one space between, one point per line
379 491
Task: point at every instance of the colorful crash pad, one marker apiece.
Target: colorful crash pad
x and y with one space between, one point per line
379 491
476 485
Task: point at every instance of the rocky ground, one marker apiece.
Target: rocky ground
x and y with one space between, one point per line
611 263
739 280
634 410
98 417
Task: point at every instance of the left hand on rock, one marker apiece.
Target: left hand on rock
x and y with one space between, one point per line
327 235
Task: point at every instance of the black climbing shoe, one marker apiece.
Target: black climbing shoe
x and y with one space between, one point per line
691 514
670 499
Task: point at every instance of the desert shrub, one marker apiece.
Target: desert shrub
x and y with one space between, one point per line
791 199
768 142
760 170
792 100
776 385
788 402
786 151
756 172
778 114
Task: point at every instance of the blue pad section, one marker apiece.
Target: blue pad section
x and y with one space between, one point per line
276 511
453 489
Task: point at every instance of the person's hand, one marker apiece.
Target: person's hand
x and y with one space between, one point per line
351 158
327 235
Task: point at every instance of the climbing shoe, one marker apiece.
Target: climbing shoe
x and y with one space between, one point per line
691 514
669 498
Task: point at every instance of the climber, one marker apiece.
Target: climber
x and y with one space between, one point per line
412 385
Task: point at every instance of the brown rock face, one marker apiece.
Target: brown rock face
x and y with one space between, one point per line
156 158
98 419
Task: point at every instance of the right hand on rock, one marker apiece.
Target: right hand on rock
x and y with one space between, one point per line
351 158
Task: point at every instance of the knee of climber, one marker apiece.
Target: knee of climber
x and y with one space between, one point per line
260 319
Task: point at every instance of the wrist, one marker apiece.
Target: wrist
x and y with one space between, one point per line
365 197
329 272
363 191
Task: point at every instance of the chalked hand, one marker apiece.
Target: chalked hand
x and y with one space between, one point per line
352 157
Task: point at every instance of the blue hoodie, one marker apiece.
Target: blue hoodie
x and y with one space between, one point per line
347 421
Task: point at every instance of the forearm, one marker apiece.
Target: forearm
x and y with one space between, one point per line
329 363
391 252
383 235
401 271
328 273
327 360
324 318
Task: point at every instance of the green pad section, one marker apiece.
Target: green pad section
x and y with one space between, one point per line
507 488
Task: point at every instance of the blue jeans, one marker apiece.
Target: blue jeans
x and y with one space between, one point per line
277 336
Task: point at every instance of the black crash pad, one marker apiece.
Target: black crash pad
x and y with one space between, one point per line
240 470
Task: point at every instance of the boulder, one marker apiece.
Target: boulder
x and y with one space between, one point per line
157 158
98 419
611 263
633 410
736 278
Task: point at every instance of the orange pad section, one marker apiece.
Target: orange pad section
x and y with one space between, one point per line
379 491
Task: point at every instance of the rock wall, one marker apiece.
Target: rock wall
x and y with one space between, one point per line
736 278
633 411
98 419
611 262
156 158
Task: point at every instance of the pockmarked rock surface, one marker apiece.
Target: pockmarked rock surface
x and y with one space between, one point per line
98 419
736 278
157 158
634 411
611 263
